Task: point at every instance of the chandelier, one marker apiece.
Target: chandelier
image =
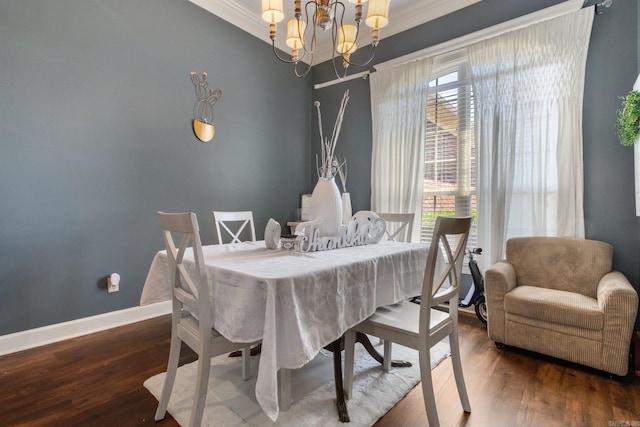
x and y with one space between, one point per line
326 15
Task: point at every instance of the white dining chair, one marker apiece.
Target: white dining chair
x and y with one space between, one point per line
234 224
399 226
421 326
192 321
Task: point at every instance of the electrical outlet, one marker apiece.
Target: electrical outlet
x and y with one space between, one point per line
113 283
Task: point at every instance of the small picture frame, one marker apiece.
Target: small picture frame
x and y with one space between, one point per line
305 204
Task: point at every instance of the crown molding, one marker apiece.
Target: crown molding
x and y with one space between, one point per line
248 20
409 15
419 12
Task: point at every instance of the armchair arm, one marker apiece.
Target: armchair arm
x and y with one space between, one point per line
618 301
499 279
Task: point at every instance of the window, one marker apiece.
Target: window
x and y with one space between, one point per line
450 150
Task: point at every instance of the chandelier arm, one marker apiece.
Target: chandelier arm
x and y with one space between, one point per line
304 53
334 36
355 64
312 49
335 12
275 52
305 48
361 64
335 70
295 63
298 74
334 31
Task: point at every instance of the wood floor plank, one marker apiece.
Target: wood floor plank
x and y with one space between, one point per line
96 380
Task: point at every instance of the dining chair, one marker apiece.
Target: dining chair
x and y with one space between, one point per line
234 224
399 226
421 326
192 321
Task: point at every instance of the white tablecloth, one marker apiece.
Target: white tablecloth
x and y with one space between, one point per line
296 303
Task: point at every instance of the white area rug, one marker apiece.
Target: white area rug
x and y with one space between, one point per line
232 402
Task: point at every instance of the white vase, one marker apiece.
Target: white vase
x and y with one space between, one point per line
346 208
326 206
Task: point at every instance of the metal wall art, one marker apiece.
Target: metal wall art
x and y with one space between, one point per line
203 126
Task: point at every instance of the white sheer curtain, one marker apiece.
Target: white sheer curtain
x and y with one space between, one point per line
398 112
528 87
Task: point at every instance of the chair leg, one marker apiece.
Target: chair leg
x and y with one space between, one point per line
246 363
457 370
349 350
202 383
284 389
169 379
386 360
427 387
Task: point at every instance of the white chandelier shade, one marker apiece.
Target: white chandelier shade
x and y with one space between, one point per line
272 11
347 39
377 14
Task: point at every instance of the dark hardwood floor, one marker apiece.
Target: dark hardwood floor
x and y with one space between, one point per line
96 380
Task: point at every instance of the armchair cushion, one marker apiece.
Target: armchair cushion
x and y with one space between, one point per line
560 263
558 296
550 305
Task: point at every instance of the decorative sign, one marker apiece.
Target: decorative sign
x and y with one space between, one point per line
364 228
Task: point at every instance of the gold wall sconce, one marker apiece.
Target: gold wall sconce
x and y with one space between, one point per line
203 126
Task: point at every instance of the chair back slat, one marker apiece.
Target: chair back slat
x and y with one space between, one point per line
449 241
234 224
189 283
399 226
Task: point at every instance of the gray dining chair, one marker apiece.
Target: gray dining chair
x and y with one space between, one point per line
421 326
192 318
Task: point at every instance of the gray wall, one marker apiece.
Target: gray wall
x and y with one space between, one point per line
612 67
95 137
95 105
608 166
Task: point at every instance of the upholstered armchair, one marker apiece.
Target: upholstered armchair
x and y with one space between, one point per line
558 296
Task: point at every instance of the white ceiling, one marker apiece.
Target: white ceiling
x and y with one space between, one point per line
403 14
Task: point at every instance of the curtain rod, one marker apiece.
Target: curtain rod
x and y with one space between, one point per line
363 74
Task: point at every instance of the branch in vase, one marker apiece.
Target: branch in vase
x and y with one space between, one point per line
342 172
328 146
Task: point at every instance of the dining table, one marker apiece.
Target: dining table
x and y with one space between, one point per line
295 303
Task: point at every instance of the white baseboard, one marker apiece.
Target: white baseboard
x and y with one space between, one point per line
31 338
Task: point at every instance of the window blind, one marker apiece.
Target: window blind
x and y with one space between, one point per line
450 151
